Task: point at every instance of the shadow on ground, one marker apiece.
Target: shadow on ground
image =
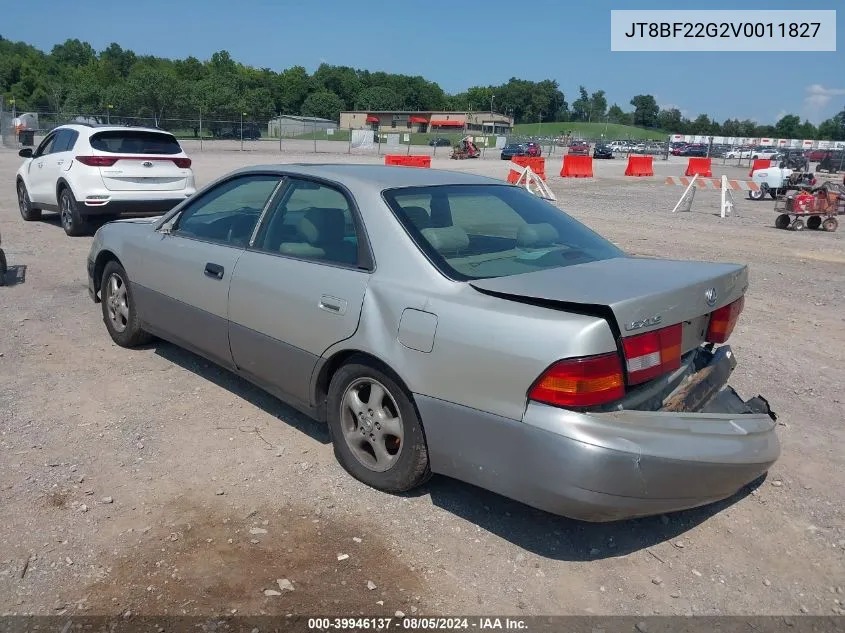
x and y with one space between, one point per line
536 531
242 388
14 276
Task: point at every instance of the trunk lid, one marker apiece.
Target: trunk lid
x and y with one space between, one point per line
642 294
144 173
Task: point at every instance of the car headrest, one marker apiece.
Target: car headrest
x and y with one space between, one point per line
322 225
534 235
447 239
418 216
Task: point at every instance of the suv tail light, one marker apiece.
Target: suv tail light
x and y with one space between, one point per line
184 163
580 382
97 161
723 321
652 354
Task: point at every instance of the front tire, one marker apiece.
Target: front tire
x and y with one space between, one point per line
28 213
119 312
73 222
374 426
756 195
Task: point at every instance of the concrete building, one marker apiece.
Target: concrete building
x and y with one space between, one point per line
290 125
430 122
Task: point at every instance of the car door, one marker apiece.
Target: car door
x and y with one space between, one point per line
181 275
58 161
40 190
299 288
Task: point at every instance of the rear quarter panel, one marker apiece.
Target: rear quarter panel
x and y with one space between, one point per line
487 351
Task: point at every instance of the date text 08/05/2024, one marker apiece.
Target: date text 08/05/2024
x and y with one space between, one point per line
723 29
416 623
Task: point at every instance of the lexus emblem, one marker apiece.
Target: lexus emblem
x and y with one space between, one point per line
710 296
147 163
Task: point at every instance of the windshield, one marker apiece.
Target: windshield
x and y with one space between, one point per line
477 231
135 142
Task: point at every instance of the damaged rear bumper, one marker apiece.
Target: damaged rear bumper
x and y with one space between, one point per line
702 446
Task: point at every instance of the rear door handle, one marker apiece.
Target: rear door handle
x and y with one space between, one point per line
333 304
214 270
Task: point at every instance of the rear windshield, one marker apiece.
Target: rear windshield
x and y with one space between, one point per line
478 231
135 142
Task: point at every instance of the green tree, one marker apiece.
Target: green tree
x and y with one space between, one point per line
787 126
324 104
581 106
669 120
598 106
645 110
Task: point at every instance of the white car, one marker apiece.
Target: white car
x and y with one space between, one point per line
771 153
85 172
738 153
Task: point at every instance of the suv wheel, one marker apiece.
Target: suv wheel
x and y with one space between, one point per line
28 213
73 222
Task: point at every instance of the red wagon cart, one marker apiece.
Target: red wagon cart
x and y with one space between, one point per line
813 209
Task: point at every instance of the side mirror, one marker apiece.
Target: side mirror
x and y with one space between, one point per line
26 152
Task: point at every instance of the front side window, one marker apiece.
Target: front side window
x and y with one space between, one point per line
311 220
477 231
229 212
46 145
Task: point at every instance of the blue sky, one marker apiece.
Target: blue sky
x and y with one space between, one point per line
466 43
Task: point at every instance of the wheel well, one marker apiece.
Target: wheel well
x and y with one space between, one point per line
60 186
330 367
103 258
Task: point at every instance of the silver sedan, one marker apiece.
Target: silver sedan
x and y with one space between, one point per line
448 323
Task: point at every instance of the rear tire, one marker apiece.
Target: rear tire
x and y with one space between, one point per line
756 195
360 425
782 221
28 212
830 225
119 312
814 222
73 222
3 268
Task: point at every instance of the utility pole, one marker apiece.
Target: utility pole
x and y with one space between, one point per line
242 130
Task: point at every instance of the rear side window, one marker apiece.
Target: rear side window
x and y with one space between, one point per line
135 142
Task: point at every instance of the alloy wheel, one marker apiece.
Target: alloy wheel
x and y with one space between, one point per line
372 425
117 303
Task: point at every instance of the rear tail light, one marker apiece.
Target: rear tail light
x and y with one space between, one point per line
108 161
723 321
652 354
580 382
97 161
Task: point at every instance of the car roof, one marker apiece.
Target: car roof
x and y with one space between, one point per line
103 127
380 176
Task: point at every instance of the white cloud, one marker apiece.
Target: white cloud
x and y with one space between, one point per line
817 99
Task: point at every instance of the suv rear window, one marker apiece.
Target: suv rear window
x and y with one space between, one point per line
135 142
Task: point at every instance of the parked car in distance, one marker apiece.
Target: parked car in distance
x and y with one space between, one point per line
513 149
677 149
765 152
535 359
694 149
440 142
533 149
88 172
739 152
602 151
579 148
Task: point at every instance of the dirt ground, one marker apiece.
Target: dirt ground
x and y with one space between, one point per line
151 482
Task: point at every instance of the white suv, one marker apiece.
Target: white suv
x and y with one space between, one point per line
82 171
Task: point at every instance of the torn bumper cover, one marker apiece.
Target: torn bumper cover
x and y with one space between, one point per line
703 445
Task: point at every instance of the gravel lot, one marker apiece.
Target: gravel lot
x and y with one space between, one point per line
152 482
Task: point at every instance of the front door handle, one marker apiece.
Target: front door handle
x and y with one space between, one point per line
59 162
214 270
333 304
